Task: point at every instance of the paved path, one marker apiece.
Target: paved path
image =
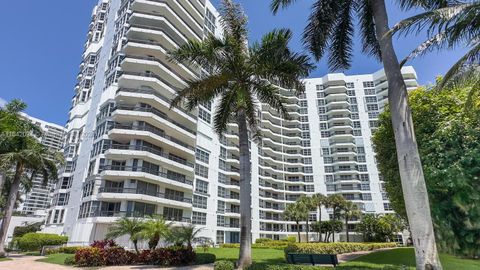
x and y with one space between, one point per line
22 262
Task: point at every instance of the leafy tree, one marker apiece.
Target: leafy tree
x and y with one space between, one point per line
153 230
380 228
449 143
317 227
20 150
132 227
320 201
331 29
310 204
241 77
330 227
336 202
349 211
296 212
449 27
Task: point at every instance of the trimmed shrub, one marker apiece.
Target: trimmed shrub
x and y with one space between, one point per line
69 260
262 240
20 231
223 265
67 250
290 239
103 244
205 258
310 267
172 256
335 248
273 244
35 241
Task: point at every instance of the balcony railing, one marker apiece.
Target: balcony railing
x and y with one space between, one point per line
144 192
155 112
153 151
153 130
174 177
103 213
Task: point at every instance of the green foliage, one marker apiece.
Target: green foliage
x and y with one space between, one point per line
153 230
35 241
66 250
448 138
69 260
19 231
132 227
205 258
184 235
335 248
380 228
223 265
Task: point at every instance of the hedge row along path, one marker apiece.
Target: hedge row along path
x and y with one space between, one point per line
22 262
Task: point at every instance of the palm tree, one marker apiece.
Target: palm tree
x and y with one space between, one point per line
185 234
320 201
349 210
331 28
240 77
310 203
25 154
296 212
153 230
127 226
336 203
449 27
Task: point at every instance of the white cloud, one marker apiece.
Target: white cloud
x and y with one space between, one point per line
2 102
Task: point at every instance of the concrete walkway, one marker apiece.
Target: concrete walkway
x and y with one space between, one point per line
22 262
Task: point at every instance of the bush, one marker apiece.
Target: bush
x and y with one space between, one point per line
223 265
35 241
20 231
290 239
67 250
205 258
88 256
256 266
273 244
103 244
172 256
335 248
262 240
69 260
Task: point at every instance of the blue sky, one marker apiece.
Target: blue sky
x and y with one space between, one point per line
43 41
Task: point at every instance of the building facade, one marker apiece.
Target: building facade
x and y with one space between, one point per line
37 200
129 154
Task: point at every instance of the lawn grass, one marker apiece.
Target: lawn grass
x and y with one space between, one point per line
5 259
58 258
375 260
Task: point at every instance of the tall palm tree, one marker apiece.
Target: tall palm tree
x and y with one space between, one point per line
320 201
127 226
349 210
20 151
310 203
186 234
153 230
449 27
331 28
240 77
296 212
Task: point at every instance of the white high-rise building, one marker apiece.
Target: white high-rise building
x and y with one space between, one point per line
37 200
129 154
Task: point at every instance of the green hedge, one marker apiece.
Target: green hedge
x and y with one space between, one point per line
265 243
310 267
67 250
35 241
205 258
223 265
335 248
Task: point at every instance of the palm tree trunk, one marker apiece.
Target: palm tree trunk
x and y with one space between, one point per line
346 228
410 166
307 230
12 198
135 246
245 255
298 231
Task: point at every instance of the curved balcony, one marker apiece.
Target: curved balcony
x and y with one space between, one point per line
118 214
132 171
149 193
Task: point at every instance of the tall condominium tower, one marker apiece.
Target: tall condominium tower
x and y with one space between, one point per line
37 200
129 154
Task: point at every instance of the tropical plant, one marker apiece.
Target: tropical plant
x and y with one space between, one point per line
241 77
349 211
311 204
132 227
296 212
380 228
331 28
449 143
317 227
335 202
153 230
20 150
330 227
320 201
185 234
449 27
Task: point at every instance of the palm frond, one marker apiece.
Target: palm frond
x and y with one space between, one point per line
208 52
270 94
224 110
438 41
201 90
234 21
470 60
277 4
341 45
370 43
426 4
